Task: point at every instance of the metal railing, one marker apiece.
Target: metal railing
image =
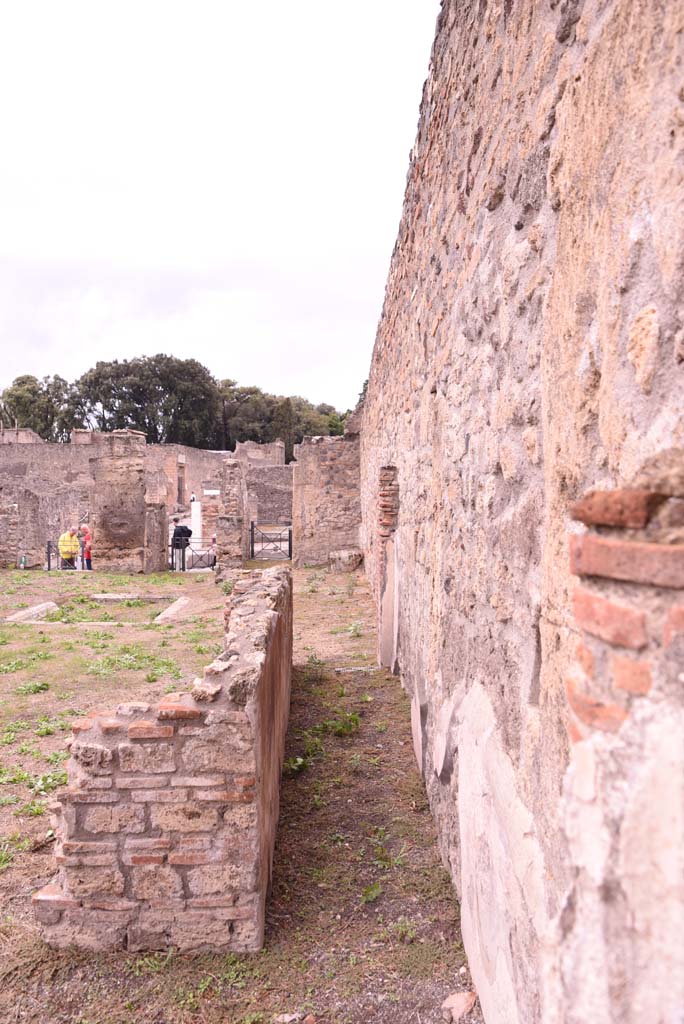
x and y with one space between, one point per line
191 555
270 542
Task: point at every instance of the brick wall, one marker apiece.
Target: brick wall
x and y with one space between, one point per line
531 348
326 511
165 835
622 810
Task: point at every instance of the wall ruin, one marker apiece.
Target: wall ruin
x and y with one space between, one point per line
165 835
126 489
530 350
326 510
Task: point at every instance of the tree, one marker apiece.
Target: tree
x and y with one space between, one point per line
173 401
283 426
46 406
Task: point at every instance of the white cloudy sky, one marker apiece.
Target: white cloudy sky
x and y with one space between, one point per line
219 179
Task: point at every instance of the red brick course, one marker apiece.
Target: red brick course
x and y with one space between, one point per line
660 565
674 624
626 507
594 713
616 623
631 676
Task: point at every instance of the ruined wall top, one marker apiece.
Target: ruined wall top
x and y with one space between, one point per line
272 454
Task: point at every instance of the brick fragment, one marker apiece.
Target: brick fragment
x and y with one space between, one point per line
628 507
110 725
143 858
52 896
659 565
177 712
133 843
110 904
192 859
82 725
674 624
594 713
585 658
145 730
616 623
631 676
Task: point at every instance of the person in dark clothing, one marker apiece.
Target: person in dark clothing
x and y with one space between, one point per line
179 540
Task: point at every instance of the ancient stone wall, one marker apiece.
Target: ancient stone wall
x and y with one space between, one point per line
272 454
270 494
187 471
232 523
326 511
165 835
19 435
530 349
128 508
50 485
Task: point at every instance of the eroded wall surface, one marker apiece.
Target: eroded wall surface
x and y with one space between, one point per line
165 835
270 494
531 349
326 509
44 489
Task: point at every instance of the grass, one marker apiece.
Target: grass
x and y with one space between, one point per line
362 923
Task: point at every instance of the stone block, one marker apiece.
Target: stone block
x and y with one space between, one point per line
628 507
157 758
153 881
114 818
183 818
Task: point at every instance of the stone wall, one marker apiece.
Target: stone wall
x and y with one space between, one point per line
272 454
165 835
270 494
50 486
326 511
232 523
530 348
187 471
128 505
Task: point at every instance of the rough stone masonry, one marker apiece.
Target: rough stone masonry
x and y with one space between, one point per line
522 492
165 834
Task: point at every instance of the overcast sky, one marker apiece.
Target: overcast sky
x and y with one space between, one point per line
220 179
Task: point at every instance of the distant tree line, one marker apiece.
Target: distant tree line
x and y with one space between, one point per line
171 400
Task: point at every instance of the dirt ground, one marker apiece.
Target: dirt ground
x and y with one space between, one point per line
363 924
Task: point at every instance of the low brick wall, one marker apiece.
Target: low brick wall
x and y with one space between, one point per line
165 834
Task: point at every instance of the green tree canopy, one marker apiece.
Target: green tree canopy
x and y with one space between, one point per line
46 406
171 400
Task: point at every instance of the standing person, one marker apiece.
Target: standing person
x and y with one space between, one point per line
193 497
69 548
87 546
179 540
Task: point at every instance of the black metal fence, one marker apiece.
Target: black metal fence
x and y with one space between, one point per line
191 555
270 542
53 561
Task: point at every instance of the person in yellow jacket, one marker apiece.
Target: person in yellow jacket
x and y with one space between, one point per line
69 547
